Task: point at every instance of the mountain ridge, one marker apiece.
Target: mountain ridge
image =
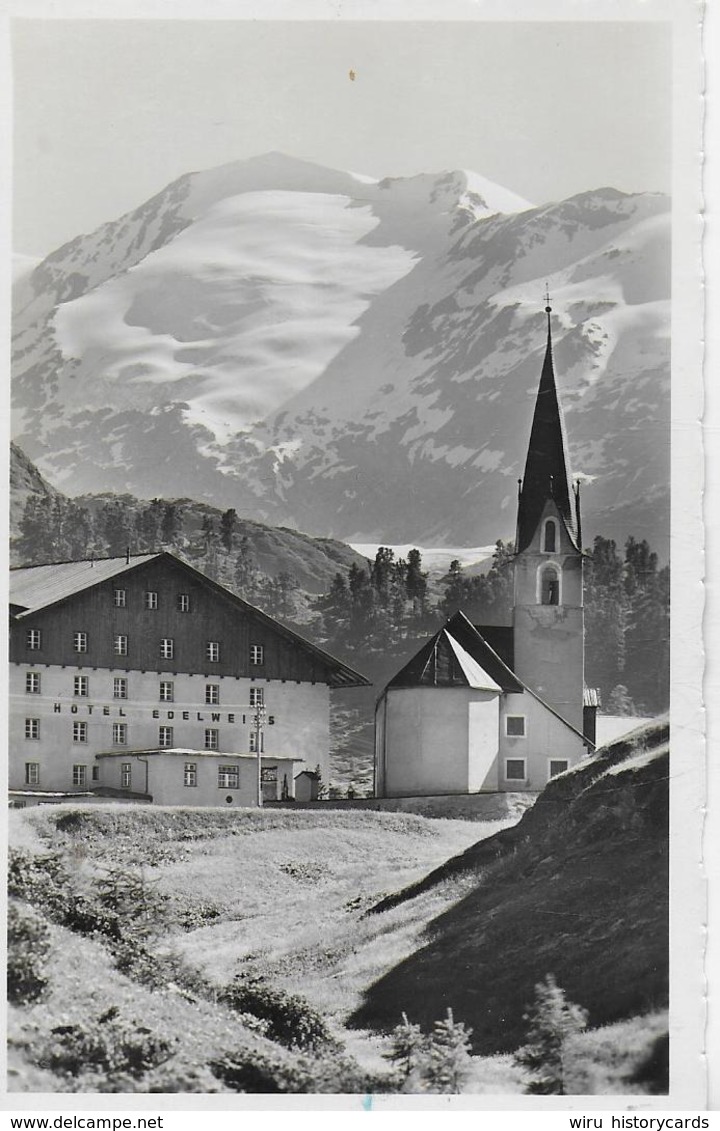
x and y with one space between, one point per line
351 357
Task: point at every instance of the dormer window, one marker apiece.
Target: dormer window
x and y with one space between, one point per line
549 585
550 536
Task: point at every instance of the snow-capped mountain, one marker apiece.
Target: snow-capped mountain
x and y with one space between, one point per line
353 357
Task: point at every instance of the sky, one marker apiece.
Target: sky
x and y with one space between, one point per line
108 112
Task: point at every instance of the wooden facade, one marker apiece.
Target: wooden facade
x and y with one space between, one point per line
214 616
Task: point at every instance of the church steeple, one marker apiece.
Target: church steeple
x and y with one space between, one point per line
546 467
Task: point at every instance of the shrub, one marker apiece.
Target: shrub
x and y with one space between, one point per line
159 971
28 944
124 892
551 1020
194 915
106 1043
87 916
290 1019
250 1071
653 1072
40 880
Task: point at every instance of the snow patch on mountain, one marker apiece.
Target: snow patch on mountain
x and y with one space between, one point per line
238 313
350 356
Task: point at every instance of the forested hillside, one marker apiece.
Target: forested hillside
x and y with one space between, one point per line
370 614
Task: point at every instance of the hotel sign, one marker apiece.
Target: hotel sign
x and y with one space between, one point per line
239 718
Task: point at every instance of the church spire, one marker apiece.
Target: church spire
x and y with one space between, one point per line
546 468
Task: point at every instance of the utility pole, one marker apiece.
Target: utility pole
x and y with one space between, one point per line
259 720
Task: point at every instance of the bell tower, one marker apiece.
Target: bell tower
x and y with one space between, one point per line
548 619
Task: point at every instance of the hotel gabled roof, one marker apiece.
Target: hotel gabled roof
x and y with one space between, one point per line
33 588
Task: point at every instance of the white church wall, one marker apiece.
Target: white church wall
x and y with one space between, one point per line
546 739
427 732
483 714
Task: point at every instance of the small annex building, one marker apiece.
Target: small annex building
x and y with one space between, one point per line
502 708
141 678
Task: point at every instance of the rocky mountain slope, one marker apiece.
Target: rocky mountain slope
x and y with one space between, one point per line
271 551
25 481
351 357
578 889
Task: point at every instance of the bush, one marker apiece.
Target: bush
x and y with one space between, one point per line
28 944
41 881
290 1019
551 1020
106 1043
250 1071
124 892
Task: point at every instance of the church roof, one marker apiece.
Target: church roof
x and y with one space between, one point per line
547 469
501 639
457 656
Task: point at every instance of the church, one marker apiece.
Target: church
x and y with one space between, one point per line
503 708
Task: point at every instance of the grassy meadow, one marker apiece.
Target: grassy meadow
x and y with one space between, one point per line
148 915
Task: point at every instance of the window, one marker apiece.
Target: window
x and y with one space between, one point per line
212 693
32 683
151 600
257 696
120 598
228 777
257 654
514 769
212 738
165 736
125 775
558 766
80 641
79 775
212 651
167 648
515 726
120 645
119 734
96 773
253 742
184 602
81 685
34 639
120 687
167 691
190 775
549 586
32 728
550 536
32 773
80 732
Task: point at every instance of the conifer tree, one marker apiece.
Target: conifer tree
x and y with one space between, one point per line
449 1061
551 1021
171 525
228 528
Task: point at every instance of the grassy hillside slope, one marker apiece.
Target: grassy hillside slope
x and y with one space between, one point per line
274 895
578 888
138 921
